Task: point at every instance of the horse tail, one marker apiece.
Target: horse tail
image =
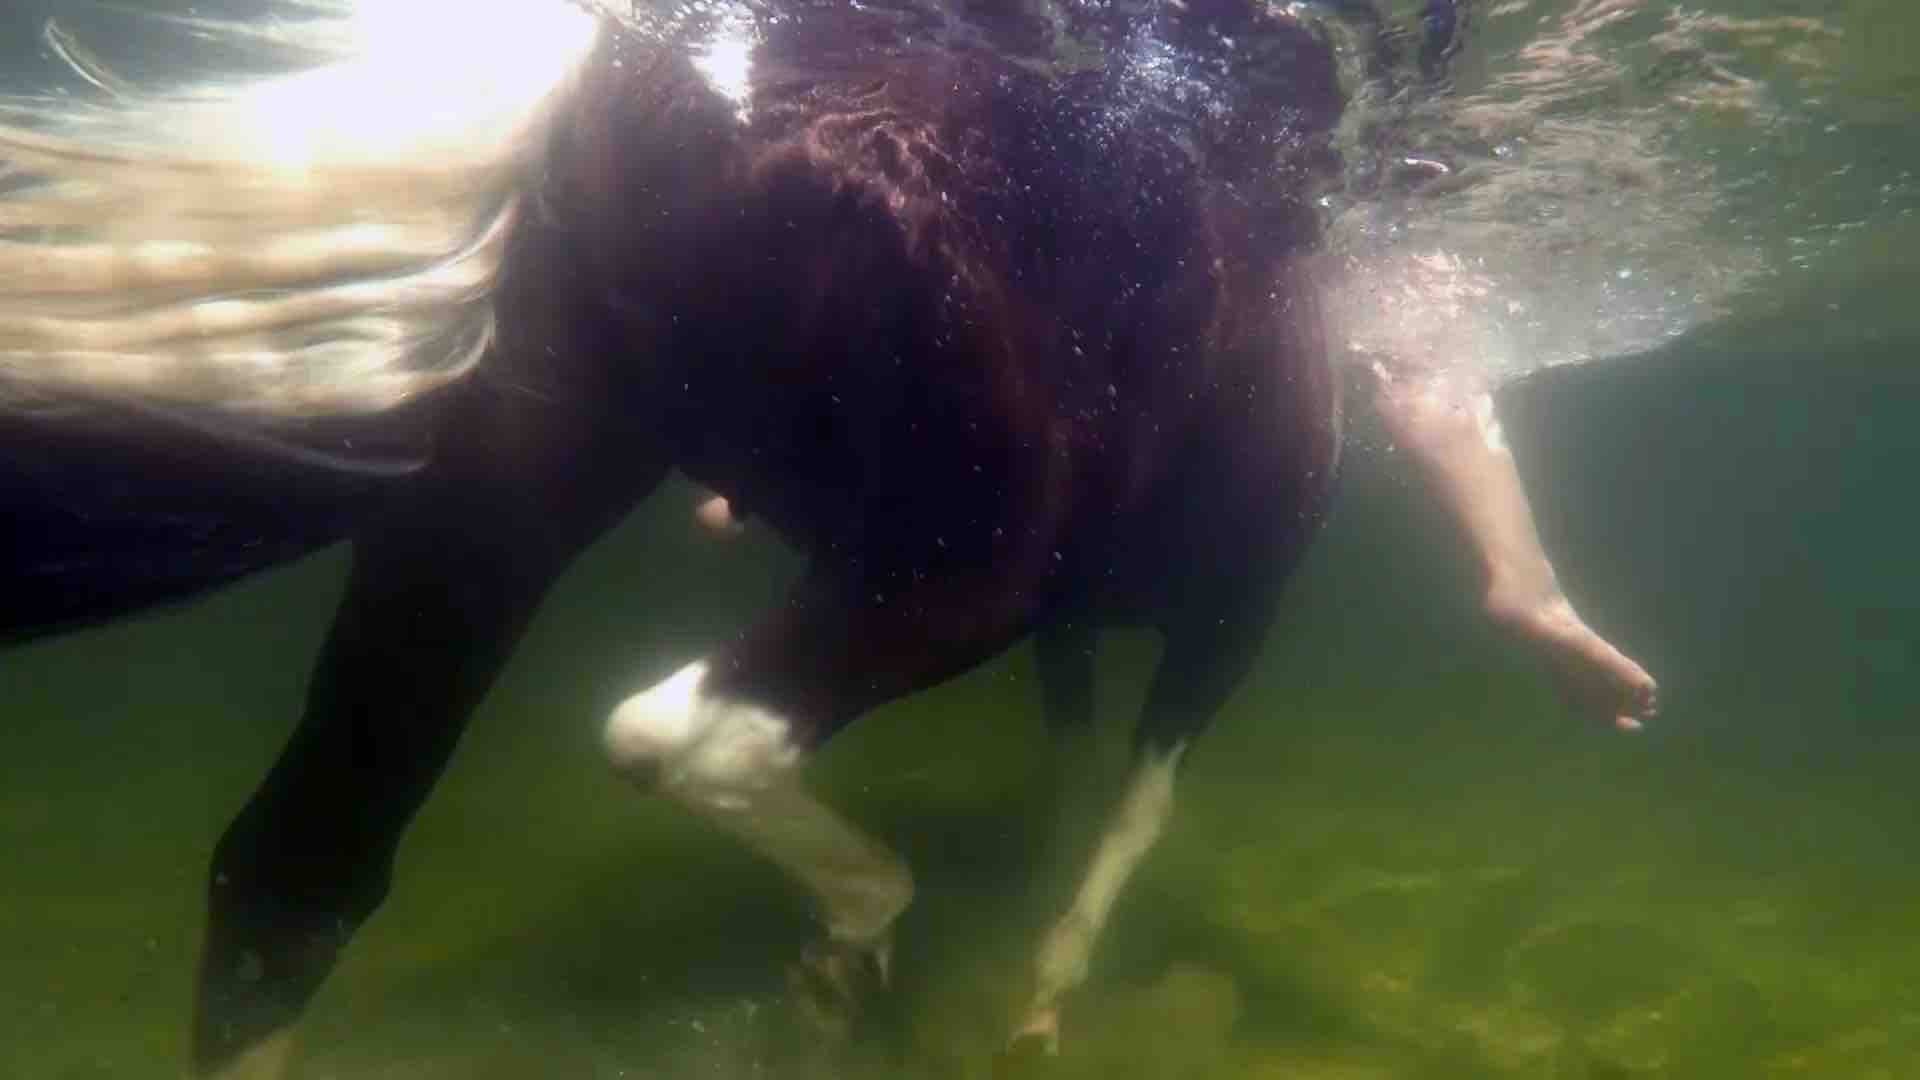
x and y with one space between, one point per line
321 238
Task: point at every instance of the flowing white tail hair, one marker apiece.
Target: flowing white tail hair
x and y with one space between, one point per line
321 240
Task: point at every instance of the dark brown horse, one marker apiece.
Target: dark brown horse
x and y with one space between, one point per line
1006 345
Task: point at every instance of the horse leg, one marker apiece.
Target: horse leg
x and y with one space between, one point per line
437 598
1202 662
1063 655
1063 652
735 762
726 736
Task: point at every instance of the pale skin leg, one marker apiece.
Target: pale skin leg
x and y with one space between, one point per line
1445 420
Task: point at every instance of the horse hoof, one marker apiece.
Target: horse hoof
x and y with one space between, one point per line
833 980
1031 1052
1038 1037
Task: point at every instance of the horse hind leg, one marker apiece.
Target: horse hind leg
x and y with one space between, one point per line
438 595
310 857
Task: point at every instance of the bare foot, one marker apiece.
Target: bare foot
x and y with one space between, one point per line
1597 680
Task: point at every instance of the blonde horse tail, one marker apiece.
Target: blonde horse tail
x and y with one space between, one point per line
317 239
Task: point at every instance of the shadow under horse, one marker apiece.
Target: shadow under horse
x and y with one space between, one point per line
1004 347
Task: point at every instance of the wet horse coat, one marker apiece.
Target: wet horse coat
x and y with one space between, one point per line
1002 350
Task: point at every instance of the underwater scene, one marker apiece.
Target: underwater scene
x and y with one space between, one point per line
1685 241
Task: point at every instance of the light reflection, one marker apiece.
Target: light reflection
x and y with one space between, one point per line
422 51
726 62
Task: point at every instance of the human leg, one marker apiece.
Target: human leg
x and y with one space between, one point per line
1447 422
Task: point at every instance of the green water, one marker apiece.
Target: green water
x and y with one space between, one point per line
1394 857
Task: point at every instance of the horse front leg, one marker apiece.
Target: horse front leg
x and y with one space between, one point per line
1209 650
735 761
727 736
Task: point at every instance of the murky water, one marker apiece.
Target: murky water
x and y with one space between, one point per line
1394 856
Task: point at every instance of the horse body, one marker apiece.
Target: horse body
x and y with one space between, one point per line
1002 351
936 317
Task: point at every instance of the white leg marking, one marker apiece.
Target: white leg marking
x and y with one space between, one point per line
1137 823
735 763
266 1060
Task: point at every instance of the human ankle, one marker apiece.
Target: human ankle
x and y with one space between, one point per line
1525 603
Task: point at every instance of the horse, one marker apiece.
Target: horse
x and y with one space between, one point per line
1005 346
